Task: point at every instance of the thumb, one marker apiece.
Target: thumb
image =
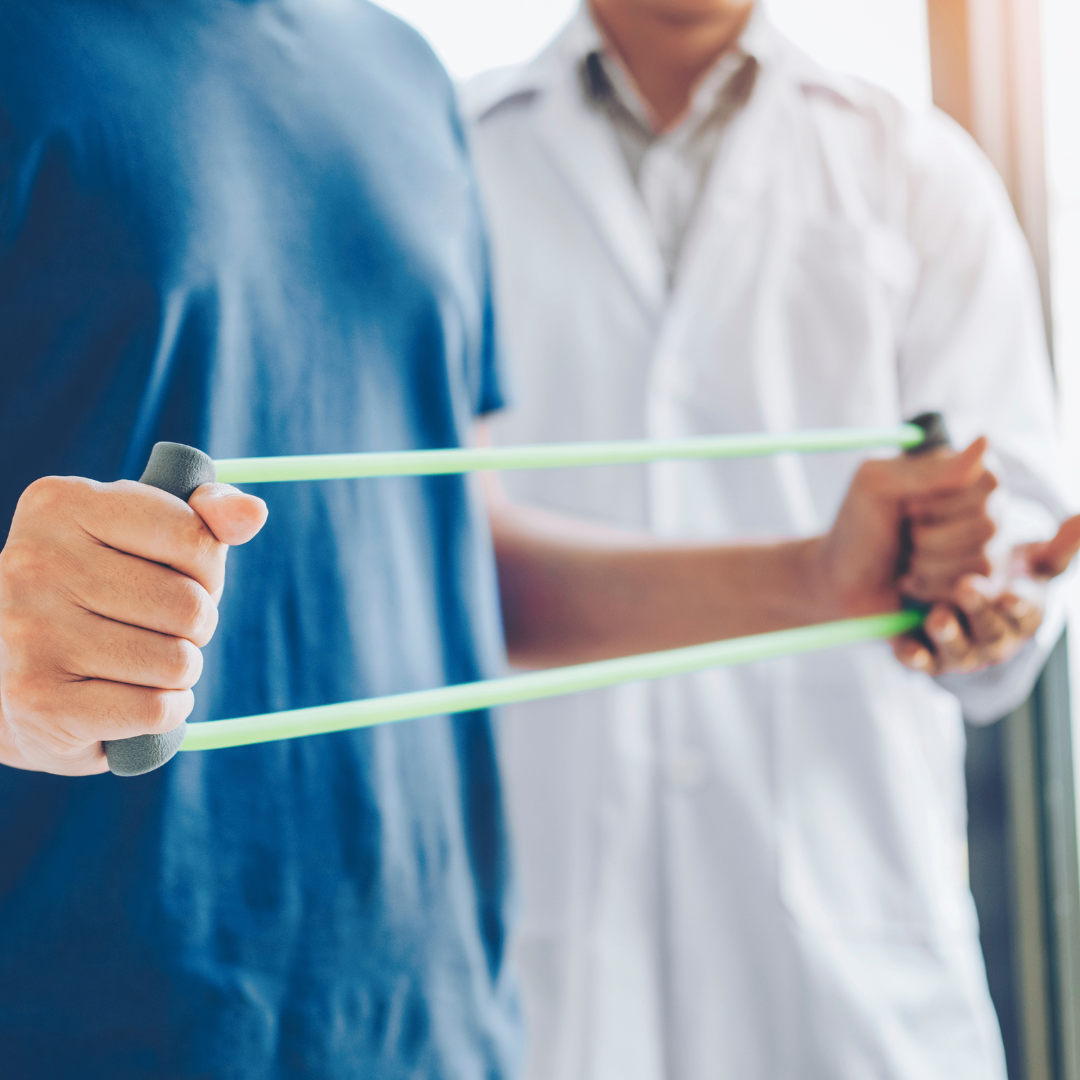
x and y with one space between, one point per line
912 477
1052 557
232 516
944 470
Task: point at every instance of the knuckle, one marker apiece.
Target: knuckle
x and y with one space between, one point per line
180 664
21 639
22 564
150 711
29 693
194 611
45 495
163 709
155 711
20 695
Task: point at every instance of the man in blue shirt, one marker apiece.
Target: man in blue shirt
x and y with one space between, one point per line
251 226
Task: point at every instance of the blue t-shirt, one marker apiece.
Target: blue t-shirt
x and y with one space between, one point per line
252 227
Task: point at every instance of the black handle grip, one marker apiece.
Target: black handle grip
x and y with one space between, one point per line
179 470
937 434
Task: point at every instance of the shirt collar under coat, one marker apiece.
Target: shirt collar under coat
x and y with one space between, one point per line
579 37
605 76
583 146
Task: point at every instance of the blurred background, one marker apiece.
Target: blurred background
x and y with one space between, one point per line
1006 70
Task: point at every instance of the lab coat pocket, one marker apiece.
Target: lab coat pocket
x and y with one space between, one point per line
841 310
812 340
811 343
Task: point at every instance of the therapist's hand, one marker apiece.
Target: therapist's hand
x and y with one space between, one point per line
874 538
107 592
980 626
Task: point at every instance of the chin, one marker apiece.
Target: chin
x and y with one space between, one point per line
685 9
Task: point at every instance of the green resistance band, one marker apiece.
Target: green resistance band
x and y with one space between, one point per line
560 455
320 719
181 469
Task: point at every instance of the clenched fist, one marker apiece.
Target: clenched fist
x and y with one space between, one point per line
107 593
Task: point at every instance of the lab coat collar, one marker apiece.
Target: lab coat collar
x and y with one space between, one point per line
582 146
562 58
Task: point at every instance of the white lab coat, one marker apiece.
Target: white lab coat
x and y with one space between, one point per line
757 872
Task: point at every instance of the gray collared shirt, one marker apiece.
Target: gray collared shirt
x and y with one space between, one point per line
670 168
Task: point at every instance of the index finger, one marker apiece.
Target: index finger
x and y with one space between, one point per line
940 472
1052 557
151 524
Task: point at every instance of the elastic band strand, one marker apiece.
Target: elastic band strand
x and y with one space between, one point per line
558 455
321 719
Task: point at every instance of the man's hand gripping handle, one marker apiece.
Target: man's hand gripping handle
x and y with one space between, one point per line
179 470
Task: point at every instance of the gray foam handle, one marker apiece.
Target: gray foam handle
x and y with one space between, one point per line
179 470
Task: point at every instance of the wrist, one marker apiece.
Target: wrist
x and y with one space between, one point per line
825 592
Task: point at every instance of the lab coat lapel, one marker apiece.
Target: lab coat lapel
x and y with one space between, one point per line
740 178
742 210
583 148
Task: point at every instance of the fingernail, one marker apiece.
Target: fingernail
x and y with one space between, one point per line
920 660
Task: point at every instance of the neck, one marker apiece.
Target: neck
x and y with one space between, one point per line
668 46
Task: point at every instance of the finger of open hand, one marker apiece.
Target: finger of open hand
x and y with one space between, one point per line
1052 557
997 625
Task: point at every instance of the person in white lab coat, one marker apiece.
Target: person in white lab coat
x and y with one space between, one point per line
755 872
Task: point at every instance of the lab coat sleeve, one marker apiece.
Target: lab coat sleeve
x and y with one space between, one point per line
974 348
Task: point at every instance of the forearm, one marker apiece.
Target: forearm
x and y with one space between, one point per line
573 592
